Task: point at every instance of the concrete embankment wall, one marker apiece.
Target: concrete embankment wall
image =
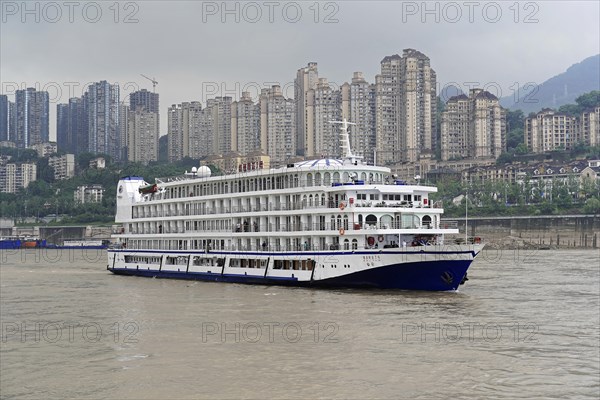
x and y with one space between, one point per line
566 231
58 234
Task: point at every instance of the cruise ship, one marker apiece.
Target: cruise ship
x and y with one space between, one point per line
336 223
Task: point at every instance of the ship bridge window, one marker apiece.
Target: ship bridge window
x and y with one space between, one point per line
309 179
318 179
327 180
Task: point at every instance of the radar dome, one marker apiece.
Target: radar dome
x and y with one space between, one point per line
203 172
194 170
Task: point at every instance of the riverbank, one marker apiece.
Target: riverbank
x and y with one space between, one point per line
58 235
540 232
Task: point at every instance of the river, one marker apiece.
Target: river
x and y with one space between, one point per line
525 325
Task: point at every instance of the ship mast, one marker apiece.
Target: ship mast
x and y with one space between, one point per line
345 141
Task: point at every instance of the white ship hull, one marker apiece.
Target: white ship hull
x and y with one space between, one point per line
415 268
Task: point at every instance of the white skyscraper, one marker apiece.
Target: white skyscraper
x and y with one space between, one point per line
306 79
245 125
278 129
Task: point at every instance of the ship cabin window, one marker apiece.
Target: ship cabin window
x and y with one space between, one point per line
371 220
361 196
407 197
417 197
374 196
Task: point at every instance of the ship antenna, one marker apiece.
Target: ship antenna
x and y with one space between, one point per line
345 139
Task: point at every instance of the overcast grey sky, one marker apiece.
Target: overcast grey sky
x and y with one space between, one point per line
197 50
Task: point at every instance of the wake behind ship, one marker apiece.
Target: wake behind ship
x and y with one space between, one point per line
320 223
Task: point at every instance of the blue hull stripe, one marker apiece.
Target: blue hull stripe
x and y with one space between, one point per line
425 275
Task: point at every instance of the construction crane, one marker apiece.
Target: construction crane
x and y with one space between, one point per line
154 82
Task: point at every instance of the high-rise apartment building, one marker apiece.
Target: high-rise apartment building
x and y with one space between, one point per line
124 115
361 112
387 109
78 126
418 105
184 130
4 118
490 124
406 107
144 99
142 134
31 117
141 104
62 128
277 125
473 126
102 105
327 108
589 131
245 125
220 109
16 176
306 80
64 166
549 130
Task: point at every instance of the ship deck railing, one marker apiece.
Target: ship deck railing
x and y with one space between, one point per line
347 226
296 206
271 248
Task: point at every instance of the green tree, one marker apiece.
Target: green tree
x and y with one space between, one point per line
521 149
44 171
570 109
589 100
592 206
505 158
515 120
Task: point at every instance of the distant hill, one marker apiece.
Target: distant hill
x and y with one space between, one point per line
561 89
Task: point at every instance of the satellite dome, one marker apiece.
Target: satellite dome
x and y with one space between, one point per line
194 170
203 172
